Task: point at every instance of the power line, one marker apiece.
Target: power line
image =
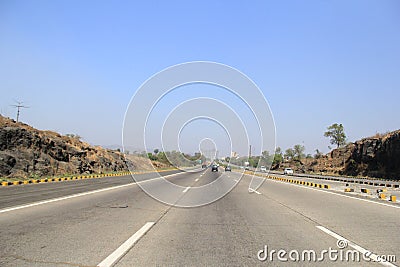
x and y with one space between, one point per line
19 106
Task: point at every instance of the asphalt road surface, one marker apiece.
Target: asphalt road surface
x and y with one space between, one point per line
121 225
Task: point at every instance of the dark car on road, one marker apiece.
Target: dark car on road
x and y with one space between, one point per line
214 168
228 169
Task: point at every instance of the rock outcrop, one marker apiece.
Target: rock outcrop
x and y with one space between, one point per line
26 151
377 156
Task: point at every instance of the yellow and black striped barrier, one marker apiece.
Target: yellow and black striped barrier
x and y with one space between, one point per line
381 195
70 178
299 182
365 190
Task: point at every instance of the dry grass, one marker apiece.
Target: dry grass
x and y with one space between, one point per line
143 163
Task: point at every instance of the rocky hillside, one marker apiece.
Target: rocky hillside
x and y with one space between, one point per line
377 156
26 151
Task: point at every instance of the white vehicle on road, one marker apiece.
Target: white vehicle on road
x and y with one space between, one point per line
263 169
287 171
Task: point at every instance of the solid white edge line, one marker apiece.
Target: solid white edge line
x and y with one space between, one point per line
186 189
360 249
125 247
64 198
334 193
80 194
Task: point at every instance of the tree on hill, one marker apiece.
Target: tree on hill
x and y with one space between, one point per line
336 134
298 152
318 154
278 157
289 153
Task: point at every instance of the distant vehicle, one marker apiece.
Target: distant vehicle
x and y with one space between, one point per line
287 171
228 169
204 166
263 169
247 168
214 168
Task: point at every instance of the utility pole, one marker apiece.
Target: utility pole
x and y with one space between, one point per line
250 151
19 106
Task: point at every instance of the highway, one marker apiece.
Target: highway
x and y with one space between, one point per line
121 225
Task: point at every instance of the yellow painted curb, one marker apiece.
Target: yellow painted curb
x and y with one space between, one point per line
393 198
382 196
48 180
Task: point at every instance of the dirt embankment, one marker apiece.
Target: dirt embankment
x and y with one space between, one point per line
145 164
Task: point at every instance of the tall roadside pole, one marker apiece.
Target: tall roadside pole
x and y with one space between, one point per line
19 106
249 151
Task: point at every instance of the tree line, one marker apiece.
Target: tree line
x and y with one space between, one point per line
334 132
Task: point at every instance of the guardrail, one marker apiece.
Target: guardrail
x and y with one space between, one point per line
357 180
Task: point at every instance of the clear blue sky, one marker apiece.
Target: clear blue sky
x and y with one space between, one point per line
77 63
